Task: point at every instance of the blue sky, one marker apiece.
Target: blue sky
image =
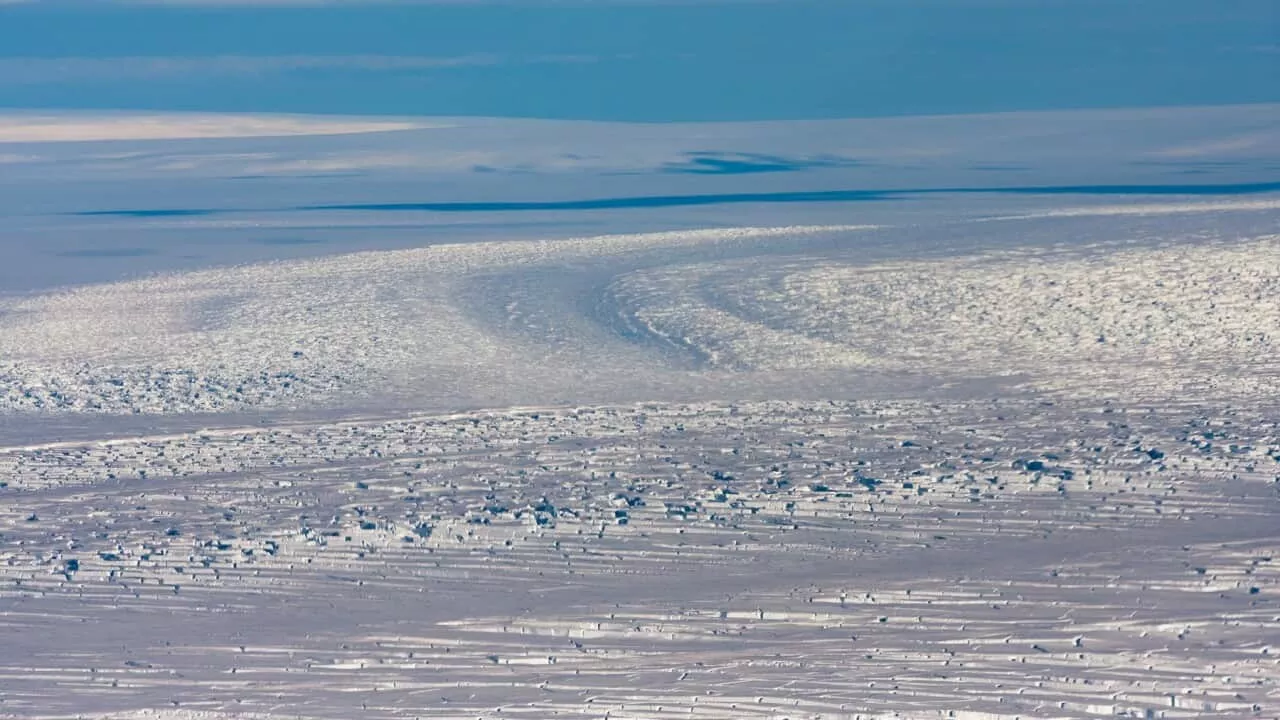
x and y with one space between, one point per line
644 61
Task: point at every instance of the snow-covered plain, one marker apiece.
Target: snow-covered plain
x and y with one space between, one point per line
951 448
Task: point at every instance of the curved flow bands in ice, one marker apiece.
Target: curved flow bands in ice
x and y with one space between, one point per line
290 333
1182 314
1163 320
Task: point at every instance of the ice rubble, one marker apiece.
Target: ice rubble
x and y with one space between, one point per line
653 561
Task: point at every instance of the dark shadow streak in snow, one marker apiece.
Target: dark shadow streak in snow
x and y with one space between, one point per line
662 201
151 213
624 203
722 163
667 201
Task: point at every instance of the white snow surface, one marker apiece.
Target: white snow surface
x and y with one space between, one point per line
1167 320
994 559
1175 317
982 456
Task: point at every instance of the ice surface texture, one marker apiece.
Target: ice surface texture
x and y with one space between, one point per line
995 559
1175 317
291 332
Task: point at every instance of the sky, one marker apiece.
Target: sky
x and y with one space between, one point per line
636 60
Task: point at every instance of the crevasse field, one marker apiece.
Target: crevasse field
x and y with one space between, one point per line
935 417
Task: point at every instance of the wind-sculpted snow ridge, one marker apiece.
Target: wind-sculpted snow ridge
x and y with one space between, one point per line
994 559
1198 319
287 333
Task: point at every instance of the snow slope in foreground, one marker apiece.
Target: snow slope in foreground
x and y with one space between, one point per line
986 559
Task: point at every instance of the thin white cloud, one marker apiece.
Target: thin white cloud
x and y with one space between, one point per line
36 70
43 128
1219 147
